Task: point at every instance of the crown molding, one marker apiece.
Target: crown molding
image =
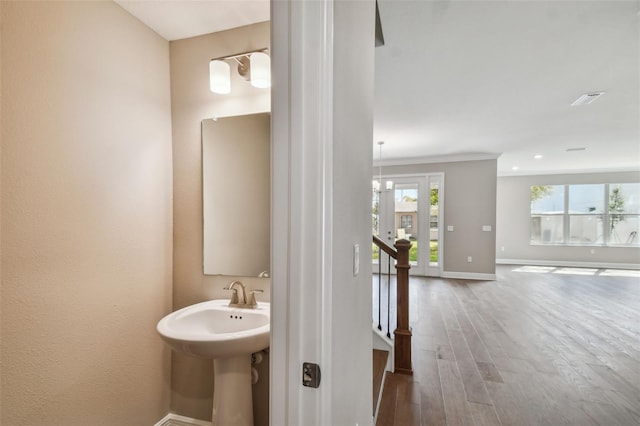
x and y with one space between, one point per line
453 158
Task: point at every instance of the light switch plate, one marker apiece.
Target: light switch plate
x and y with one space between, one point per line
486 228
450 228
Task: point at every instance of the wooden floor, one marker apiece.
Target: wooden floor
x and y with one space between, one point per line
538 346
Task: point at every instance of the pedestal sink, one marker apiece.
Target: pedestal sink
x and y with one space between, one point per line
229 336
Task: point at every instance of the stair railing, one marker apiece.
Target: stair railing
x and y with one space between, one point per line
402 333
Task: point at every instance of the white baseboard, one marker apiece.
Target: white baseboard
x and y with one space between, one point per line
569 264
469 276
172 419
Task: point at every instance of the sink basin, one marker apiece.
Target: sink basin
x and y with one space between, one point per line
212 329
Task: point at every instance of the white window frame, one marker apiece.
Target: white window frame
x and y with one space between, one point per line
566 217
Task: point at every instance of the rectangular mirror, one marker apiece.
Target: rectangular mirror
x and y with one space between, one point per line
236 183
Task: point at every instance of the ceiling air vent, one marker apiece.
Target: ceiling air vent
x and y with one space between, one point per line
587 98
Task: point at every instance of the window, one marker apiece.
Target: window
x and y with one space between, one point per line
602 214
624 214
586 208
547 214
406 221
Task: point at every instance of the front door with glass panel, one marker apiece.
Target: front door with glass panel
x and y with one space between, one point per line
406 208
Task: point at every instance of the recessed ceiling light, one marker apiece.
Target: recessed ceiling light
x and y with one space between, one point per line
514 168
538 156
576 149
587 98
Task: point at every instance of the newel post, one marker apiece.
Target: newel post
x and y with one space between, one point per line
402 334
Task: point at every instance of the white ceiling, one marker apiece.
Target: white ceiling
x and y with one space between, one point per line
178 19
481 79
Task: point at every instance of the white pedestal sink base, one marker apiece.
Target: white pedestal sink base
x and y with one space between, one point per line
232 396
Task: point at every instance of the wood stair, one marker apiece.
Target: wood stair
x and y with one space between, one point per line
400 404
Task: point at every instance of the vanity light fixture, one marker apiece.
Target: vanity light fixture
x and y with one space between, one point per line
219 77
260 70
254 66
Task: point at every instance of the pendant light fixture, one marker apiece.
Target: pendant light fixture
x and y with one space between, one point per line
377 185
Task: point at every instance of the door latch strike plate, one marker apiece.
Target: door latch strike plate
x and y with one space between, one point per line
310 375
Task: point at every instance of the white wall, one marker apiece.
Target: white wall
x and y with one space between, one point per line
86 215
514 218
469 199
351 367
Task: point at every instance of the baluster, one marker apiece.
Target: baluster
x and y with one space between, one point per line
380 290
389 297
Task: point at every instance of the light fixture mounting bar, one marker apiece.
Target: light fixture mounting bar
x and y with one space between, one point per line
239 55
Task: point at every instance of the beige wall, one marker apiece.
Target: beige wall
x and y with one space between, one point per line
191 384
469 203
86 216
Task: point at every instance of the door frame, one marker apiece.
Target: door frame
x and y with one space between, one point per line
300 165
322 53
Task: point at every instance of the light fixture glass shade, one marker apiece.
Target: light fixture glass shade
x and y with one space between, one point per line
260 70
375 185
219 77
389 185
